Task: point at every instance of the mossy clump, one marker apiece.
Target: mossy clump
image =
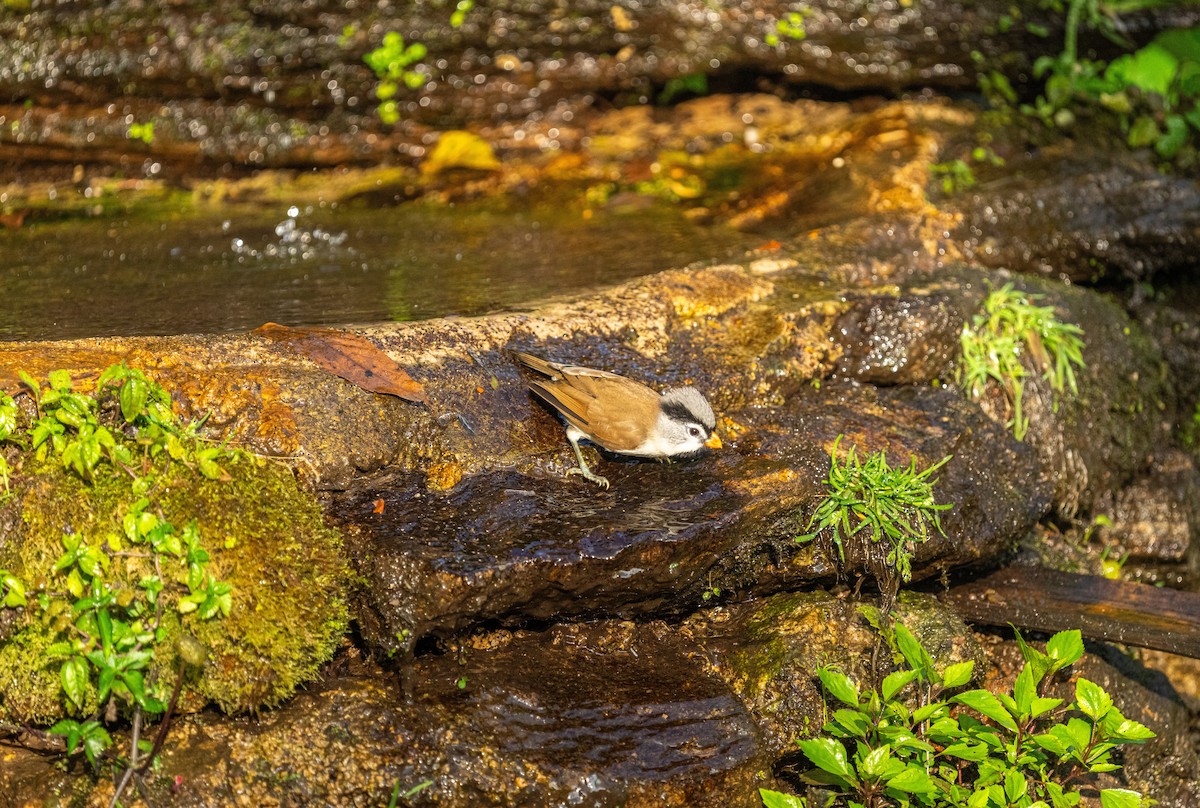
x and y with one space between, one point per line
138 558
266 538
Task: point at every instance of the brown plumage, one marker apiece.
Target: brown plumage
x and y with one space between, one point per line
604 406
621 415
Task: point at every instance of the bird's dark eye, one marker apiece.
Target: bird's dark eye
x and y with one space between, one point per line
695 433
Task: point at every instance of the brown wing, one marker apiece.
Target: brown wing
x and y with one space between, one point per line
612 410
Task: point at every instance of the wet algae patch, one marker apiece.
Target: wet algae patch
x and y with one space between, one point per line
608 714
266 538
665 539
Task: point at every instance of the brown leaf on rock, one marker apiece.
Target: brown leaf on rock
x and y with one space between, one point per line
353 358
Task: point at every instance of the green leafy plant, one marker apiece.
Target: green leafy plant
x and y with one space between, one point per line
392 62
106 597
909 743
461 9
1011 328
1153 90
959 175
893 506
789 26
141 131
690 84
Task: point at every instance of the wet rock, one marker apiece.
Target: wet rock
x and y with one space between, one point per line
1085 443
1097 440
903 339
604 715
284 84
1155 517
516 547
768 652
1170 312
1083 217
260 532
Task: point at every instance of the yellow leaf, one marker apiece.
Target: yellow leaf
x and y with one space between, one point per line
459 149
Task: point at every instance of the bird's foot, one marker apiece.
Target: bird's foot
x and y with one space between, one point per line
588 474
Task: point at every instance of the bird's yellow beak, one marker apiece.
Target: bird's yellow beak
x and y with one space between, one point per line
713 442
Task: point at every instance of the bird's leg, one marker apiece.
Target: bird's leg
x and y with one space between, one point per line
583 470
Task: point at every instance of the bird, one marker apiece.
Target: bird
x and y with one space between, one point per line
621 415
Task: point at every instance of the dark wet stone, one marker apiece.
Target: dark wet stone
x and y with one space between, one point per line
1083 217
1170 312
603 715
515 547
1086 443
283 84
768 651
1156 516
1097 440
906 339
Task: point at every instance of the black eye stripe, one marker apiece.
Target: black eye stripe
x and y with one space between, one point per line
678 412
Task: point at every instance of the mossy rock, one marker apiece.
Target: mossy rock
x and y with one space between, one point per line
266 537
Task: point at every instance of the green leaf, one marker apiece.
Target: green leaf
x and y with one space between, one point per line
1131 731
132 397
74 678
912 651
1014 785
1143 131
60 380
1041 706
894 682
95 740
1091 699
874 764
829 755
967 751
34 387
1151 69
913 780
1174 139
978 799
839 685
13 588
1077 732
958 674
1051 743
1065 648
1120 798
777 799
986 704
1024 691
855 722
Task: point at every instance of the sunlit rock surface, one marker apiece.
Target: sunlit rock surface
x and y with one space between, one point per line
284 84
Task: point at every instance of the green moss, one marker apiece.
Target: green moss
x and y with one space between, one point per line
266 537
29 686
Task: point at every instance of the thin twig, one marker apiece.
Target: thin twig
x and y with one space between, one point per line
133 757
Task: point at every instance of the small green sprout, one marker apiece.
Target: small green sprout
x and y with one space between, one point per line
789 26
391 61
894 505
461 9
141 131
1010 328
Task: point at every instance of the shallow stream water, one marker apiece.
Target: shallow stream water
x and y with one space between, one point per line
233 269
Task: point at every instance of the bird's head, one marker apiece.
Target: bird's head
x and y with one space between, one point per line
686 423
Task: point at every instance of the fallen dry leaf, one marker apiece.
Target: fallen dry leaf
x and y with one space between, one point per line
378 506
349 356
